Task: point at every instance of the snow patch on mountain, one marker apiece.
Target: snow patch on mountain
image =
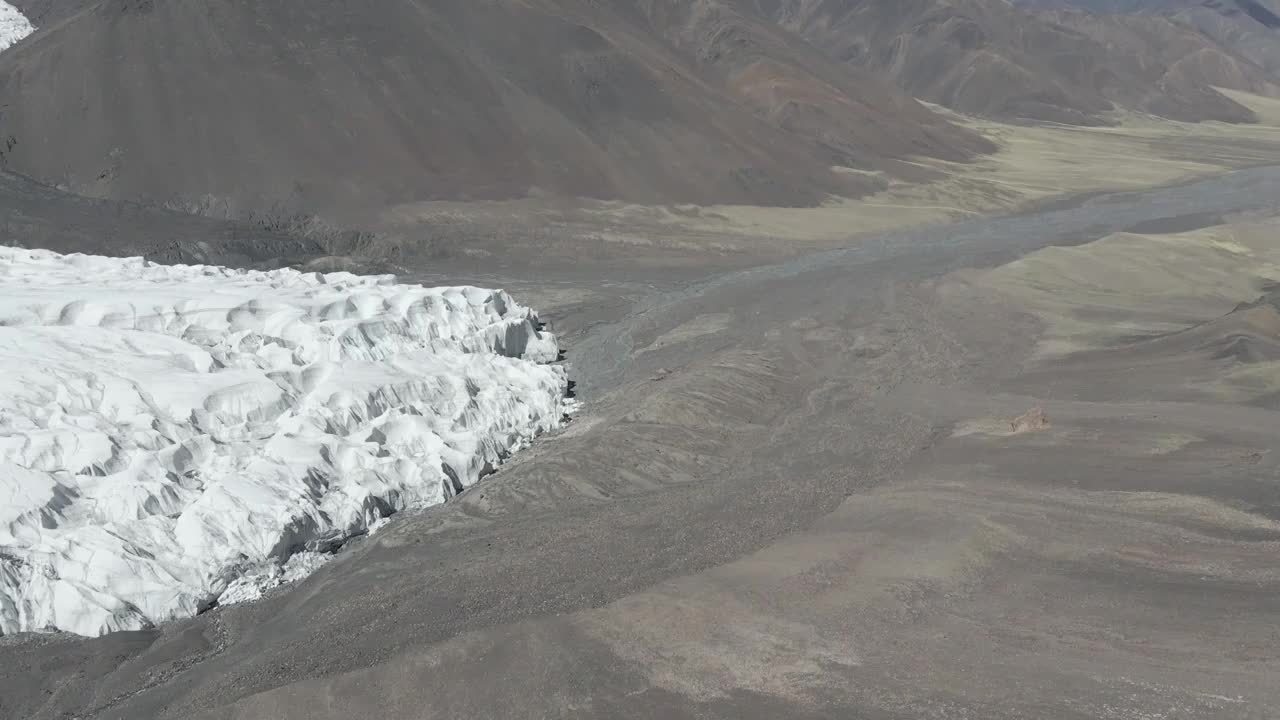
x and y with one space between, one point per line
13 25
172 437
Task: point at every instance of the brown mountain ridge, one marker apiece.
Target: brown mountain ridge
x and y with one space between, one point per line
989 57
318 104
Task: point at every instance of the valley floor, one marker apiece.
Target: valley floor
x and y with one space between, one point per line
1038 165
799 490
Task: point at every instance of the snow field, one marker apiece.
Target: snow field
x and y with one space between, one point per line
13 25
176 436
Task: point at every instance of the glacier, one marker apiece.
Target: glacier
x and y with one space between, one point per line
13 25
175 437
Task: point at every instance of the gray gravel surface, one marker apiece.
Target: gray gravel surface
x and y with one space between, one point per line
765 510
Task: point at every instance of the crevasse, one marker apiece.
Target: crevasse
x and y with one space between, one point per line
168 433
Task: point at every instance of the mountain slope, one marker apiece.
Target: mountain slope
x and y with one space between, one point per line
36 216
989 57
310 104
1250 28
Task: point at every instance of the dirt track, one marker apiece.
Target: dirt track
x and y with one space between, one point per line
794 492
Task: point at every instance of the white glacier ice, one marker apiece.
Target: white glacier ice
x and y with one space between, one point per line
176 436
13 25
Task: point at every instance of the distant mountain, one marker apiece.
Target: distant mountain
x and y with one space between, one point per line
234 108
1250 28
305 104
990 57
1265 12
